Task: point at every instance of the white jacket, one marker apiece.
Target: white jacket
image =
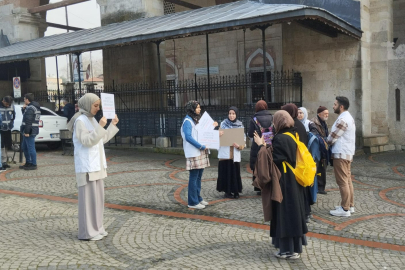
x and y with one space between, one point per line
224 152
189 149
87 159
345 144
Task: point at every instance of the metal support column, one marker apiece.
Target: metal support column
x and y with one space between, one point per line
160 87
266 92
208 71
57 81
78 73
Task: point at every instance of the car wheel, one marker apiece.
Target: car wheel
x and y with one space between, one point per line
53 145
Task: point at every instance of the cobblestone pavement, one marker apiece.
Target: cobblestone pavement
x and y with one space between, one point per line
150 226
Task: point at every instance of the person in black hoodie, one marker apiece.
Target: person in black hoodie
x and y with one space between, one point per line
30 129
265 119
292 109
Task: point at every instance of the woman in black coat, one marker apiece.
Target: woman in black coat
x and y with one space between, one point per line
292 109
287 226
265 119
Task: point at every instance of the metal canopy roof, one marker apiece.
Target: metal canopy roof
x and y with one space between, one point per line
227 17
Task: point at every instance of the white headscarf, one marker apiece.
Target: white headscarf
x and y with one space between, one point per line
85 103
305 120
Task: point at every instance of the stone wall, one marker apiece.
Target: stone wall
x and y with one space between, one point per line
227 51
396 70
329 66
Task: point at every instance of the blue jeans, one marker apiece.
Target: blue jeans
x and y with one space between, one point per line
28 147
194 187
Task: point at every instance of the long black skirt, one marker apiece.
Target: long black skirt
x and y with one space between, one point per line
290 244
229 179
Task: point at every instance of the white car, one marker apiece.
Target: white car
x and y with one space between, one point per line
49 125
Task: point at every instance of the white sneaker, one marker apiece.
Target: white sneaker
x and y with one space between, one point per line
339 212
204 202
287 256
198 206
96 238
104 234
351 209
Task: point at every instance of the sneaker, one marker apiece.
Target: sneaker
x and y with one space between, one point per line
339 212
204 202
104 234
236 196
322 192
30 167
198 206
2 169
25 165
96 238
351 209
287 256
228 196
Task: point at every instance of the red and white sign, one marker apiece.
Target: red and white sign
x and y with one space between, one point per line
17 87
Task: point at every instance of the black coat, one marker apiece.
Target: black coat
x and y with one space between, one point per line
302 132
288 217
69 111
266 120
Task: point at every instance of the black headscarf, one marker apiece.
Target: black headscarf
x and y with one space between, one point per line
233 108
228 123
191 106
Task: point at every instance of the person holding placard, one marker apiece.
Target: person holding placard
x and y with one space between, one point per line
89 138
196 154
229 180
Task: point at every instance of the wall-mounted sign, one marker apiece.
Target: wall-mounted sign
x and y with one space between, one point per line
203 71
17 87
75 63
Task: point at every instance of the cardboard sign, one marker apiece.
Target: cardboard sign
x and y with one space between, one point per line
231 136
108 105
205 123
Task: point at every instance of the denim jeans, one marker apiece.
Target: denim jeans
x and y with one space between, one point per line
194 187
28 147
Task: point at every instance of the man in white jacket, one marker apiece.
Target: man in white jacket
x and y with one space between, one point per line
343 140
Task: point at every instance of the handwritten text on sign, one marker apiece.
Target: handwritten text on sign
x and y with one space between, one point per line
108 105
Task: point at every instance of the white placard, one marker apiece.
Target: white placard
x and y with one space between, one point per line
209 138
205 123
108 105
17 87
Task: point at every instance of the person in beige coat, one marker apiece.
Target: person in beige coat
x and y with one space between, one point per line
89 138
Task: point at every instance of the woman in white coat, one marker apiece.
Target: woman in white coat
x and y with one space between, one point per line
89 138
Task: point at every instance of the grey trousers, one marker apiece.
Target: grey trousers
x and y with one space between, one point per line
91 209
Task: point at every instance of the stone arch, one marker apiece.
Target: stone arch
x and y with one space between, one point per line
255 55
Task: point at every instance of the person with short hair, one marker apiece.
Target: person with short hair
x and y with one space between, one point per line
7 112
318 126
343 139
68 109
30 129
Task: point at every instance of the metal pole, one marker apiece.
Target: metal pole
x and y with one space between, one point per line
266 94
78 73
160 87
70 55
57 82
208 71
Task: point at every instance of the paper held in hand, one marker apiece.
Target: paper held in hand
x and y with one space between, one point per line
108 105
209 138
231 136
205 123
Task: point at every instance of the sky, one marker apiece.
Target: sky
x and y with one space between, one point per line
83 15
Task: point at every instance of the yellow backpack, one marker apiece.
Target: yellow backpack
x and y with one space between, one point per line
305 168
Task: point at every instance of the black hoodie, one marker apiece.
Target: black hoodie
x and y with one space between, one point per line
30 121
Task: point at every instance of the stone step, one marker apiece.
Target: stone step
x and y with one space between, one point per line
375 140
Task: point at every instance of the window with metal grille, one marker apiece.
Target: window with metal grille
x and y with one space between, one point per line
257 80
168 7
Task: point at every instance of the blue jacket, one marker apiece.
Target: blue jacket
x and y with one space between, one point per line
30 121
7 117
69 111
314 149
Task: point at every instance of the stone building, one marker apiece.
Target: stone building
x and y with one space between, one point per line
20 25
369 71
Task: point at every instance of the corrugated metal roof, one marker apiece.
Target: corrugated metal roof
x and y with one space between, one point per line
212 19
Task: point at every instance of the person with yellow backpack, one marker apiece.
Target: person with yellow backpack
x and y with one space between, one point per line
287 225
